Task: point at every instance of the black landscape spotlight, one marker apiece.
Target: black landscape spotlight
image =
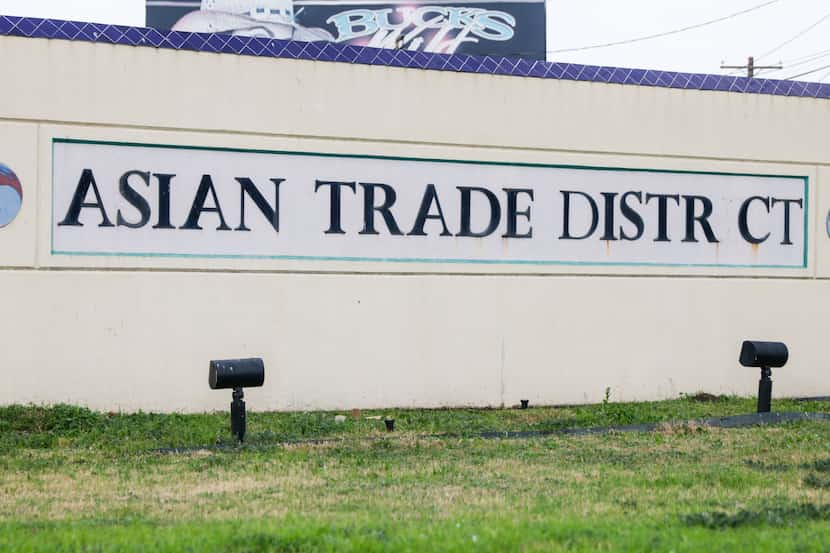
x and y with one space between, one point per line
765 355
236 374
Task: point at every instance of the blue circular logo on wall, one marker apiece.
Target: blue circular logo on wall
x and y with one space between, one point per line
11 195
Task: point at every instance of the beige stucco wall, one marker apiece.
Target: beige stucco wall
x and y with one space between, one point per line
137 333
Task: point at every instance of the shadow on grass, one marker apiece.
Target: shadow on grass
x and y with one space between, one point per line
767 467
773 515
822 465
817 482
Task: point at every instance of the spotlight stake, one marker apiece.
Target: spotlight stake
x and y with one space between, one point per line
236 374
764 355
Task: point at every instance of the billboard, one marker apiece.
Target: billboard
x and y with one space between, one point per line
508 28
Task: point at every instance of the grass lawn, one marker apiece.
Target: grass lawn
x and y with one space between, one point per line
76 480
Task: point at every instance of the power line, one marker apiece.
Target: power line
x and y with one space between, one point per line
808 72
797 36
789 65
809 59
810 56
666 33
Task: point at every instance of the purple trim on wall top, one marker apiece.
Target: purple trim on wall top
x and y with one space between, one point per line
327 51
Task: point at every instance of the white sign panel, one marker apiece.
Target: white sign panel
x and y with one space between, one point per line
153 200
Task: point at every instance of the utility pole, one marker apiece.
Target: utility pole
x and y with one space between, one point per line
751 67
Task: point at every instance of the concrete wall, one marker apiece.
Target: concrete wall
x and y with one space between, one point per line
137 333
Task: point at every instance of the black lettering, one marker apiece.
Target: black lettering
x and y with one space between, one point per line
701 219
466 201
425 212
609 215
566 215
632 216
78 203
513 213
198 207
334 203
134 199
799 203
743 224
662 214
164 201
385 208
272 214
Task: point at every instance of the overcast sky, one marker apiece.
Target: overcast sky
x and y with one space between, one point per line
579 23
575 23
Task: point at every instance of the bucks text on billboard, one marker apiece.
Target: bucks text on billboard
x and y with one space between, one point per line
149 200
478 27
